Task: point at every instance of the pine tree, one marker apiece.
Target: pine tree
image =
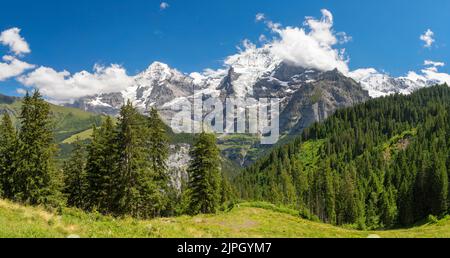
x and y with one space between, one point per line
349 198
101 168
388 207
8 157
330 197
75 180
137 194
227 195
204 174
38 180
158 148
438 187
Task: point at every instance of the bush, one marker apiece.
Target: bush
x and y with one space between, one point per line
432 219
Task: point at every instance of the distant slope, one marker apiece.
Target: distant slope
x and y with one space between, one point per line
67 121
247 220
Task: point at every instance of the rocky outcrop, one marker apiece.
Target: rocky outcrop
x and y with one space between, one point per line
178 163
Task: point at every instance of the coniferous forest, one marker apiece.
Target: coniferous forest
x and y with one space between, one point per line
381 164
122 171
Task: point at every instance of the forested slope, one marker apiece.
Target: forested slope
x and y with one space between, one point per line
380 164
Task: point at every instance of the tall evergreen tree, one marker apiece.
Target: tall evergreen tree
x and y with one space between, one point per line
8 157
75 177
438 187
158 151
204 175
37 178
138 195
102 168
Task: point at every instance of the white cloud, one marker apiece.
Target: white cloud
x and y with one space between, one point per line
14 41
432 63
361 74
260 17
63 87
164 5
12 67
21 91
262 38
310 46
427 37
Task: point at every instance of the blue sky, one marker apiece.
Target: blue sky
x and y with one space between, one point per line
197 34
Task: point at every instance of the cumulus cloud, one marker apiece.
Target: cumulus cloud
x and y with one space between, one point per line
14 41
63 87
12 67
432 63
427 37
260 17
361 74
310 46
164 5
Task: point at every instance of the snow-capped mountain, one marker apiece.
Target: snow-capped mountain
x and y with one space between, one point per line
156 86
307 95
380 84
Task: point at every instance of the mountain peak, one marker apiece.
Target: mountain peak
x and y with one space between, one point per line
157 66
157 71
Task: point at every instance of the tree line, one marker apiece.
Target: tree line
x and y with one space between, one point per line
380 164
121 171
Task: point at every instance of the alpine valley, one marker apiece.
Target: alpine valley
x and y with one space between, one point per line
307 95
99 153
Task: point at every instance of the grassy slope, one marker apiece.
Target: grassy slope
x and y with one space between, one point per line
244 221
84 135
67 121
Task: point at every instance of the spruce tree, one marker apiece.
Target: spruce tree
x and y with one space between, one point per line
102 168
158 151
330 198
227 195
438 187
137 194
75 177
37 179
204 175
8 157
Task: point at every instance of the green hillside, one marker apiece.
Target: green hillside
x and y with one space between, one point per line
245 220
67 121
381 164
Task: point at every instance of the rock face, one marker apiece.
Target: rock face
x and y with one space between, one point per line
306 95
5 101
178 163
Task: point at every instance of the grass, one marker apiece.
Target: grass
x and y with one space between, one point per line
259 220
84 135
66 121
